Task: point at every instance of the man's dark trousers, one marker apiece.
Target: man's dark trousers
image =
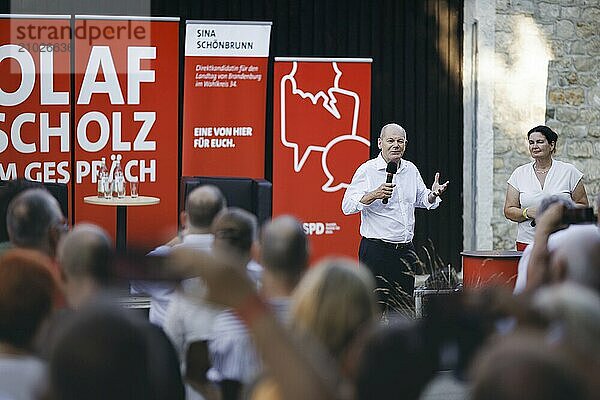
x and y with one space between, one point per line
392 263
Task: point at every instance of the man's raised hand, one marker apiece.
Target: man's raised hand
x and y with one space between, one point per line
436 188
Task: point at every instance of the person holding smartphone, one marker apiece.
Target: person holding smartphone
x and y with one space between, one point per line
576 219
569 254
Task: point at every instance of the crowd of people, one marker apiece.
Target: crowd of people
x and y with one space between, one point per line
238 313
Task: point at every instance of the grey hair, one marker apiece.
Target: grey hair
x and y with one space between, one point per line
391 126
548 201
30 216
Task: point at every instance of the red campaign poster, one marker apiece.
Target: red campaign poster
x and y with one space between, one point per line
320 136
34 98
126 94
224 103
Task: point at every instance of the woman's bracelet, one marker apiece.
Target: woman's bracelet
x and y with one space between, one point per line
525 213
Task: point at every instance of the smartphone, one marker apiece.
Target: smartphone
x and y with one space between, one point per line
579 215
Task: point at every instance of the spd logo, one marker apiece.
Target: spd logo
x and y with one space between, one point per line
320 228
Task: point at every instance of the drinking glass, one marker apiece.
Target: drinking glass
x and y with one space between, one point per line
133 189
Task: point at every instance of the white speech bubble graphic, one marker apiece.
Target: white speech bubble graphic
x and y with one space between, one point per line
330 178
329 103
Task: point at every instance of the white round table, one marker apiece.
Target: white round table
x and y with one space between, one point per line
122 205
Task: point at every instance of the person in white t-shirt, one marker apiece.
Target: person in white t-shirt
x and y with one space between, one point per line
543 177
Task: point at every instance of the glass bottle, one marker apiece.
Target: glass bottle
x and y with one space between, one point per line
102 179
119 181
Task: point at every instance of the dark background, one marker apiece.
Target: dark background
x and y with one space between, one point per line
416 46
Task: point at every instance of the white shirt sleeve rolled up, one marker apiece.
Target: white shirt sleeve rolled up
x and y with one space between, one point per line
394 221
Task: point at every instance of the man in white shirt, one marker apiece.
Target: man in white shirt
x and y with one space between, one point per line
190 322
202 206
554 240
283 252
571 254
388 229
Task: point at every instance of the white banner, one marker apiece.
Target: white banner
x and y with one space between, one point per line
237 39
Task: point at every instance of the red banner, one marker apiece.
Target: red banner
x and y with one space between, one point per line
320 136
126 93
225 82
34 98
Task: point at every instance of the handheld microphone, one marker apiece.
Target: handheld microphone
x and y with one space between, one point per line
391 170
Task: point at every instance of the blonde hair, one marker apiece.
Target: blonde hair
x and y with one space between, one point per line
332 302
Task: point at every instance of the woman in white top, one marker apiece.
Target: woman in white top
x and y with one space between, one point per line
543 177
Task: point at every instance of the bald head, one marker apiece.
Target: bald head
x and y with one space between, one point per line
33 221
86 252
202 206
577 258
284 249
392 129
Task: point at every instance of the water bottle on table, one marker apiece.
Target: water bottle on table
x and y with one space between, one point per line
119 181
102 179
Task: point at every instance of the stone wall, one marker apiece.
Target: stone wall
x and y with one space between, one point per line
546 71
